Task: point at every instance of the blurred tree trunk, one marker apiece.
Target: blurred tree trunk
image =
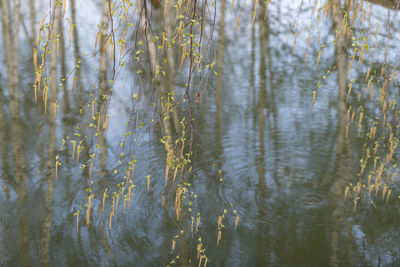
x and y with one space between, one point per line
261 109
220 63
341 59
343 164
54 51
102 106
33 19
11 45
168 86
10 25
76 54
51 160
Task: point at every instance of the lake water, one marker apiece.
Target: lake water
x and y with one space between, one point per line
259 150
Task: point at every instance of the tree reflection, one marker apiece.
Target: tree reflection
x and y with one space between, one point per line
343 164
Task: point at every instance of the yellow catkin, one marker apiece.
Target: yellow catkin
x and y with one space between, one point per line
56 169
236 221
237 24
173 241
388 195
349 91
377 185
110 221
163 42
384 192
64 7
319 56
219 236
35 92
125 200
104 201
166 173
35 58
360 123
392 78
121 51
183 57
73 148
197 223
294 42
116 207
40 28
178 199
350 65
358 188
198 251
129 195
77 222
369 181
78 152
368 72
88 210
371 90
90 169
313 99
360 59
70 35
376 47
112 52
95 42
73 85
175 173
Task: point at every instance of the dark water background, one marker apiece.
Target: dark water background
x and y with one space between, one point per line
281 169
